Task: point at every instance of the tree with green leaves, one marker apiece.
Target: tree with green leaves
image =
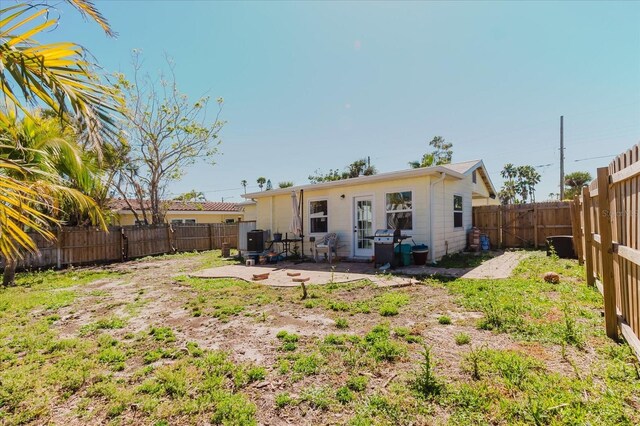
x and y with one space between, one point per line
59 76
360 167
519 184
192 195
243 182
59 172
261 181
441 154
166 133
574 182
285 184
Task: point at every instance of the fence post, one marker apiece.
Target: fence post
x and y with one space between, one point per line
59 248
588 250
500 239
124 245
535 225
606 250
172 248
210 227
574 212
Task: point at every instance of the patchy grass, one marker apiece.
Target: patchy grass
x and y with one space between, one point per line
520 351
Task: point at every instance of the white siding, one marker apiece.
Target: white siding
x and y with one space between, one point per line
448 239
274 213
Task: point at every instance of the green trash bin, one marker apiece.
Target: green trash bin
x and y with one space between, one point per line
404 253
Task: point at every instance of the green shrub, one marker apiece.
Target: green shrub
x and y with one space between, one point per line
256 373
288 340
102 324
357 383
162 334
334 339
426 384
341 323
316 398
194 349
307 365
344 395
233 409
338 306
288 347
388 310
462 339
113 356
444 320
387 350
283 399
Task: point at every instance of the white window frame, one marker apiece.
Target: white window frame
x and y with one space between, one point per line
411 210
316 216
461 211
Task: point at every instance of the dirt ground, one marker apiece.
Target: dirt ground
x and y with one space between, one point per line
161 300
149 293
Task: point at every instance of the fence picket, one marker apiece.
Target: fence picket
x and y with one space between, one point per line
524 225
81 246
610 229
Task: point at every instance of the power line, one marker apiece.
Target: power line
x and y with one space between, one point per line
594 158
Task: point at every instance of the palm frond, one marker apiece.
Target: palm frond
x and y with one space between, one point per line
54 74
87 7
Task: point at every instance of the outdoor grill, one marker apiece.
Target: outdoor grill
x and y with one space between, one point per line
384 241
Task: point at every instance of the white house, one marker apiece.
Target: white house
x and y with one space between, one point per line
433 205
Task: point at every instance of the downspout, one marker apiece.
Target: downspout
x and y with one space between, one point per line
432 249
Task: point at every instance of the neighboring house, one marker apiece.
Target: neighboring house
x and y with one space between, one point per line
181 212
249 209
433 205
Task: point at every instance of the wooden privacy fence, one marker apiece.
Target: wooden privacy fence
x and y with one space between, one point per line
78 246
523 225
608 236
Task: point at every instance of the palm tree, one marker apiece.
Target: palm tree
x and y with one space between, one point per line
261 181
243 182
58 76
57 174
574 183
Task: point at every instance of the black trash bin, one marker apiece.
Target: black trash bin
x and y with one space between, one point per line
563 246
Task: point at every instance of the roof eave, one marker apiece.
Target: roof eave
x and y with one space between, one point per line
362 180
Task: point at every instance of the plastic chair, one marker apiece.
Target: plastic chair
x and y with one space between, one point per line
327 244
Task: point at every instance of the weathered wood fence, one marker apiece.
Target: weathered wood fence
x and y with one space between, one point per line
81 246
523 225
608 240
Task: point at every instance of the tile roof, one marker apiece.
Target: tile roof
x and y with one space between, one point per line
171 205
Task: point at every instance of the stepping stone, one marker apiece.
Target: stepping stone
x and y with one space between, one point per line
301 280
258 277
293 274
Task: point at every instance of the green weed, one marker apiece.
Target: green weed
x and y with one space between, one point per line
462 339
444 320
426 383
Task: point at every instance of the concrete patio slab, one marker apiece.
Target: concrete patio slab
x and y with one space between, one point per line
498 267
317 274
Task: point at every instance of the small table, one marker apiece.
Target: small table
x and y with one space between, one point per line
286 245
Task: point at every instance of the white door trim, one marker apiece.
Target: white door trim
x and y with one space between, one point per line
356 252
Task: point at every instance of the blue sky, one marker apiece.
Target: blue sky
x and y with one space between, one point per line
316 85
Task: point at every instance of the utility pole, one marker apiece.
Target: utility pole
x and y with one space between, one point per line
561 157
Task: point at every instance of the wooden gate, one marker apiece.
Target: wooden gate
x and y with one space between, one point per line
523 225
